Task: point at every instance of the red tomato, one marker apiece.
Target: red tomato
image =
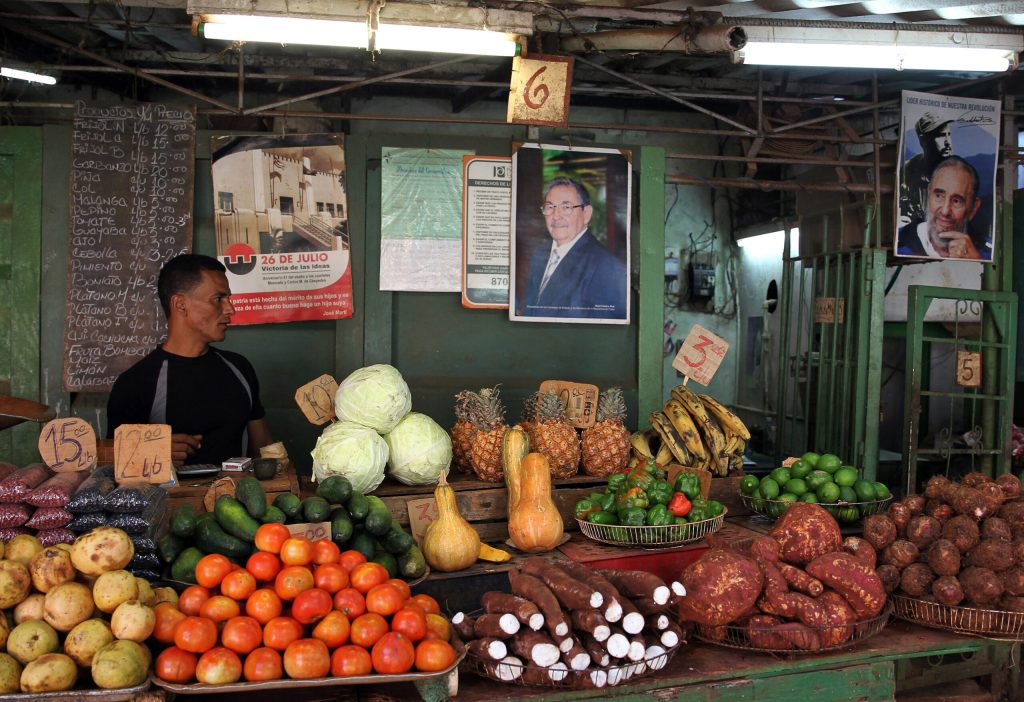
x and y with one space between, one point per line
434 655
311 605
428 603
281 631
192 599
263 605
219 666
175 665
350 602
241 635
350 559
365 576
351 660
402 586
325 551
393 653
333 629
262 664
367 629
384 600
291 581
297 551
330 577
167 618
411 622
238 585
195 634
307 658
264 566
270 537
219 609
211 569
438 627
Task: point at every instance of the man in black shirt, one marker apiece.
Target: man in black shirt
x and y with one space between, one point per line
210 397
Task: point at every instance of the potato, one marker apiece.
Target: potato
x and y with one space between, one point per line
165 594
10 674
121 664
23 548
53 672
86 639
102 549
133 621
63 547
5 631
146 594
15 583
112 588
68 605
30 640
49 568
29 608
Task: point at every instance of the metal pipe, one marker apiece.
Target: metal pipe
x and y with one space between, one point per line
716 39
778 160
682 179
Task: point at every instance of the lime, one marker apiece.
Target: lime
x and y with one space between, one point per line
769 488
811 457
865 490
797 486
809 497
788 497
758 499
846 477
748 484
780 475
847 494
829 462
882 491
800 469
817 478
828 492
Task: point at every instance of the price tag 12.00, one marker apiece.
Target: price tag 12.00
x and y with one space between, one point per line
316 399
314 531
700 355
421 513
68 444
142 453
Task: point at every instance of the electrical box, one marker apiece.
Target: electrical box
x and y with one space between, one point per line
702 281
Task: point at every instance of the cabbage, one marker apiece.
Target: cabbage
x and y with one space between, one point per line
420 450
374 396
352 450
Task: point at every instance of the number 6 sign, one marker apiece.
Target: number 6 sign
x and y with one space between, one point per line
700 355
539 90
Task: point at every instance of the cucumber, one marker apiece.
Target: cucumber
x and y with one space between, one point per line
183 523
341 526
364 544
388 561
170 547
412 564
234 519
289 504
273 514
397 540
250 493
358 506
378 516
315 509
184 567
212 539
336 489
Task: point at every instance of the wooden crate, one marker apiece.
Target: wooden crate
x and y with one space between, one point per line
192 490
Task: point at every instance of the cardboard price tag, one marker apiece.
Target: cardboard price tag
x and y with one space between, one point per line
221 486
825 310
142 453
313 531
67 445
316 399
968 369
421 513
580 400
700 355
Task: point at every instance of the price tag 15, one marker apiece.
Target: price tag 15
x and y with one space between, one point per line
142 453
700 355
421 513
68 444
316 399
968 369
311 530
580 400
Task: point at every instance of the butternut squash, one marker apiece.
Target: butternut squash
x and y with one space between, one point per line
514 448
450 542
534 524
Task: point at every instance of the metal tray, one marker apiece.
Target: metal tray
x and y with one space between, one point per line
652 536
93 695
773 509
995 623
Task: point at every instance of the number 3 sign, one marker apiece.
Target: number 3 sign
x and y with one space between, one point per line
700 355
539 90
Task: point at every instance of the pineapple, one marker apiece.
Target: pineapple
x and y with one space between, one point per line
556 438
463 431
488 416
606 445
529 420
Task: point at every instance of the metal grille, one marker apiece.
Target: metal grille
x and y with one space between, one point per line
668 535
963 620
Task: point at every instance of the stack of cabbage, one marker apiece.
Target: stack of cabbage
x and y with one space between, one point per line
376 427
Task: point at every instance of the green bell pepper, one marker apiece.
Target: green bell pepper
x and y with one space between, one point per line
585 507
605 500
714 508
630 498
650 466
617 481
682 520
688 484
660 493
697 514
639 479
602 518
634 516
658 515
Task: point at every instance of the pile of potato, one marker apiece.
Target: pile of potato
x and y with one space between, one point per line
73 607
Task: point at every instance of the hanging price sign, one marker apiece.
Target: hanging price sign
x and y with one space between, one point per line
700 355
68 444
316 399
580 400
142 453
539 90
421 513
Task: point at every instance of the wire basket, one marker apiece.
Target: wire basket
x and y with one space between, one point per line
773 509
668 535
804 641
962 620
533 675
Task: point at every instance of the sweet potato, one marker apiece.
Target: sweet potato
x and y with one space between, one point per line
761 633
938 509
934 487
801 581
861 549
880 530
800 635
1009 484
534 590
963 532
890 577
916 579
947 590
1013 580
915 503
981 586
993 554
1013 512
996 528
1011 603
1018 550
967 501
572 593
638 583
794 605
974 479
922 530
943 557
720 586
859 585
523 610
993 496
805 532
612 607
899 553
840 618
765 548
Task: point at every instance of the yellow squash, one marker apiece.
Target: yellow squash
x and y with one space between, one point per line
450 542
514 448
534 524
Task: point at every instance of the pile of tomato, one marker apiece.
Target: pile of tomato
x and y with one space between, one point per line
299 609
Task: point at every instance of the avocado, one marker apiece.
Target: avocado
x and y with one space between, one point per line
250 493
336 489
378 516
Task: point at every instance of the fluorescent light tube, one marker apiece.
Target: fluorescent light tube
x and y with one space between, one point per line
7 72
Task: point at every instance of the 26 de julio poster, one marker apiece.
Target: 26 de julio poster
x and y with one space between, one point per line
281 221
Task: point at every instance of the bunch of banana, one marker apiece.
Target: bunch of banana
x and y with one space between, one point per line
701 432
647 446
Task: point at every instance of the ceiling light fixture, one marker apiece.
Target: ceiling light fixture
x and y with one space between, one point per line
8 72
952 50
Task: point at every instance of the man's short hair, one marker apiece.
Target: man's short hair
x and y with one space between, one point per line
929 123
182 274
562 180
962 164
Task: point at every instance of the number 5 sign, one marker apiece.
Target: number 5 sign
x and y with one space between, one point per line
700 355
539 90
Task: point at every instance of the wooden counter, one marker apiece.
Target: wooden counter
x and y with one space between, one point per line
192 490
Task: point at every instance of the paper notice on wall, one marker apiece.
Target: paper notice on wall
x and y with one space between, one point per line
487 227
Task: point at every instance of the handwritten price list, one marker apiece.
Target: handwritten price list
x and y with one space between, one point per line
132 172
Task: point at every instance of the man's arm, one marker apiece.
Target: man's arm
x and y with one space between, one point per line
259 435
960 245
